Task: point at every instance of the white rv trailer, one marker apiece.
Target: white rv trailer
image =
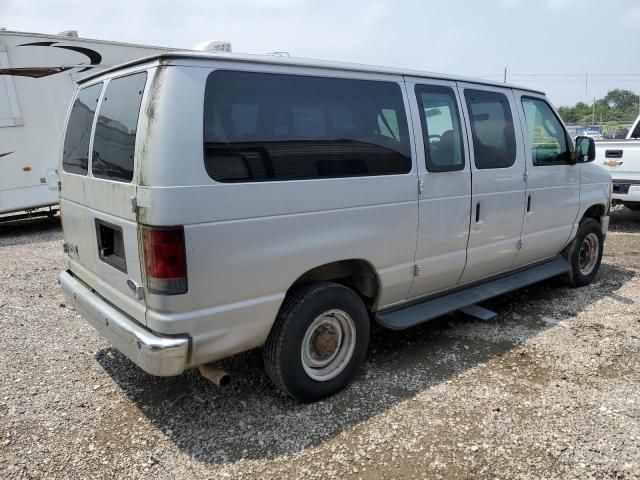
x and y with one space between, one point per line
37 75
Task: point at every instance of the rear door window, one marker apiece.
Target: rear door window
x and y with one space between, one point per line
265 127
494 141
441 128
115 137
75 157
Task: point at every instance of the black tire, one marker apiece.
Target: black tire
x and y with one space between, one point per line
633 206
282 352
576 277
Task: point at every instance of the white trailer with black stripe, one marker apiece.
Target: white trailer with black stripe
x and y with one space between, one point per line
37 80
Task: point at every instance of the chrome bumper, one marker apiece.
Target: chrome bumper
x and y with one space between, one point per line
155 354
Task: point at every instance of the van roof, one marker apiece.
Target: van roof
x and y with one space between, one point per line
167 57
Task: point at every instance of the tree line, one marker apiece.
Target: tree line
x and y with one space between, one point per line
617 105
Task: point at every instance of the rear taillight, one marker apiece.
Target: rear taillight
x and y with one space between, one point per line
165 260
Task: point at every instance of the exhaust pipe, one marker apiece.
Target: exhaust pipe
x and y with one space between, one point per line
215 375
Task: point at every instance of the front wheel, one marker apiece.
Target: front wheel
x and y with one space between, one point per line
584 253
318 342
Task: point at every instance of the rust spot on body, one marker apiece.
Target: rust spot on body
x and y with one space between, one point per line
151 111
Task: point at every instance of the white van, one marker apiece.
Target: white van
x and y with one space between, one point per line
233 202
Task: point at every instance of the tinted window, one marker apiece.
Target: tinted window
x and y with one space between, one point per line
115 137
75 156
494 142
440 128
262 127
388 124
546 134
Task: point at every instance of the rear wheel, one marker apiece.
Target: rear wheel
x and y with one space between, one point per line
584 253
318 342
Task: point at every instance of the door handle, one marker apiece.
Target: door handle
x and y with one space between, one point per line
477 212
529 203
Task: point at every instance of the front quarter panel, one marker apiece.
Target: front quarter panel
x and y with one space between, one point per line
595 189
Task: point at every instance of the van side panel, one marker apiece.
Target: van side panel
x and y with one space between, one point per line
241 269
247 243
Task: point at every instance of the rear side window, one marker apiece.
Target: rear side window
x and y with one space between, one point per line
115 137
494 142
264 127
75 156
548 141
440 128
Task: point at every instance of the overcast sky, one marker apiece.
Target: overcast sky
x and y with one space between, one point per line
547 44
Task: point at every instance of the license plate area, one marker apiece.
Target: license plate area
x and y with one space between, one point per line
111 245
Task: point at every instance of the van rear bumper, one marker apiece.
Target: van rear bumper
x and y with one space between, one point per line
156 354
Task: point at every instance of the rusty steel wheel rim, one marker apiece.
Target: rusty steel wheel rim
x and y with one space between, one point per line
328 345
588 255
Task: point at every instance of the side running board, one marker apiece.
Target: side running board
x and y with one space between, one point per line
406 316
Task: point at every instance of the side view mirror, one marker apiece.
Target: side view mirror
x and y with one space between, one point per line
585 149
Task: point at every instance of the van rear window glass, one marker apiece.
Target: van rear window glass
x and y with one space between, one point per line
264 127
115 137
75 157
494 141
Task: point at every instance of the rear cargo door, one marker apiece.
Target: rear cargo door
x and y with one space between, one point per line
100 228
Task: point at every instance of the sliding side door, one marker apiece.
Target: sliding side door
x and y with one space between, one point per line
444 185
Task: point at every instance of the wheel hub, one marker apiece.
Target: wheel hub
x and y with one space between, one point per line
324 341
328 345
588 254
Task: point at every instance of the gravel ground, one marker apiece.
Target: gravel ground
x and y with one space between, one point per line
549 389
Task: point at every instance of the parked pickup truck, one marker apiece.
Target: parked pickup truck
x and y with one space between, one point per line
622 159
